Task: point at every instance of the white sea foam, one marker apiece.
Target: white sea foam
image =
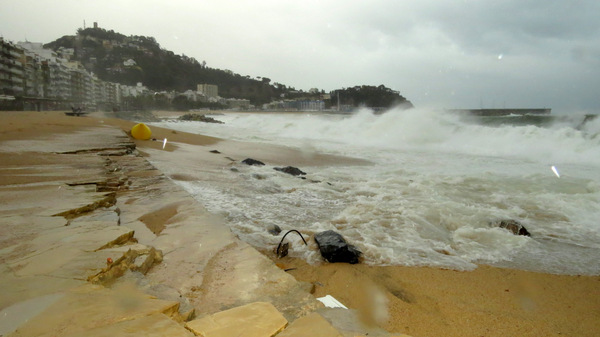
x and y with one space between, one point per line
438 181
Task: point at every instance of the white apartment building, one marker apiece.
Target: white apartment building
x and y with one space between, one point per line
11 69
209 90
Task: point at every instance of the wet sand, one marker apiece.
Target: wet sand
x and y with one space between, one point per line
417 301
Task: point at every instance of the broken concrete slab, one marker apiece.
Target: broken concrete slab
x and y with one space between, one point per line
188 241
18 231
201 253
195 242
40 198
156 220
99 218
94 139
68 252
17 314
145 260
17 289
313 325
89 307
259 319
45 259
139 260
155 325
187 312
101 200
239 274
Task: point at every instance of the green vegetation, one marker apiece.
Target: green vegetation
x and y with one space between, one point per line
104 53
370 96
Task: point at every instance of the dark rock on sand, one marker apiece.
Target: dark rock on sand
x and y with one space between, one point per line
274 230
512 225
290 170
253 162
199 118
215 151
334 248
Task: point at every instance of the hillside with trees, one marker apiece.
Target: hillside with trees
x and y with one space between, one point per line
114 57
106 54
369 96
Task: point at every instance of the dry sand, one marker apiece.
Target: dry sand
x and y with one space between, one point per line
418 301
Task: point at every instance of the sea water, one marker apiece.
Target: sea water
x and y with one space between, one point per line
436 182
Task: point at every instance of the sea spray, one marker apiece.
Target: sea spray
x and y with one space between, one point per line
414 129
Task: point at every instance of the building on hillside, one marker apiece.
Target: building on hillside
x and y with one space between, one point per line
77 83
54 89
134 91
113 93
66 53
57 79
99 92
107 45
129 63
209 90
273 106
194 96
33 76
237 103
304 105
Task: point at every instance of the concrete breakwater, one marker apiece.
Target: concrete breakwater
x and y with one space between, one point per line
502 112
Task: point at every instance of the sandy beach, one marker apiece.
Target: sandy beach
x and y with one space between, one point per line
485 302
417 301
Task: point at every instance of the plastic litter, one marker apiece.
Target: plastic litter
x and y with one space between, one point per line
331 302
280 255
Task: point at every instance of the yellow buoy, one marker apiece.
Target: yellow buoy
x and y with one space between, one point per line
141 131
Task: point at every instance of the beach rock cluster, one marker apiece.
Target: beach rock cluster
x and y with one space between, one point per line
252 162
290 170
332 245
334 248
199 118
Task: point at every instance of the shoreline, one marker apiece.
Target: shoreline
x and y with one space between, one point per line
419 301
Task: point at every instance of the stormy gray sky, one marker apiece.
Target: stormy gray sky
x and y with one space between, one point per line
445 54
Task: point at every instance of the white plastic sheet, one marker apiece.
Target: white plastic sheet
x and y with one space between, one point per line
331 302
